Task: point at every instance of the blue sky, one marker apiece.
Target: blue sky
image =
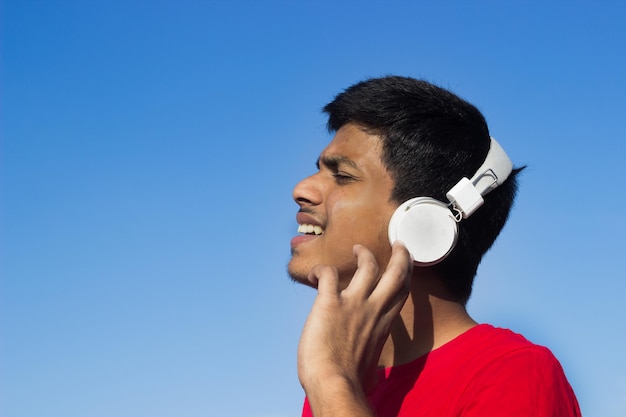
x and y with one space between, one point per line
149 150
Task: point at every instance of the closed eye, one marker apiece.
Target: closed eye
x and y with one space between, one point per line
334 164
342 179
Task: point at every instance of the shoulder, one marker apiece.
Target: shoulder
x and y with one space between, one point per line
485 343
497 336
505 351
515 373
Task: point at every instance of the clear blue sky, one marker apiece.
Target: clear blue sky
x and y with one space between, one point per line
149 150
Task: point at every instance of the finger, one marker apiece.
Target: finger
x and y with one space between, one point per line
367 273
326 278
395 282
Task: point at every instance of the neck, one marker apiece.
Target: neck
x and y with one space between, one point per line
427 321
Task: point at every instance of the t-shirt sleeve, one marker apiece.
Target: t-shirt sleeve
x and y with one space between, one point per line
528 382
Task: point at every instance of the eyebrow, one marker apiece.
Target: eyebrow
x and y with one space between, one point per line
333 162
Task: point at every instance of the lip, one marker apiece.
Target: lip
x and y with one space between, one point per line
300 239
305 218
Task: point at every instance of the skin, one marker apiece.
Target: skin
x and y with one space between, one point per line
349 197
364 316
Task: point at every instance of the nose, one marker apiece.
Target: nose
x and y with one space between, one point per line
308 192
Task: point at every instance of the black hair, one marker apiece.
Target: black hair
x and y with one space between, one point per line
431 138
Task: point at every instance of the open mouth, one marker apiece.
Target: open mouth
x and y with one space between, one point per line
309 229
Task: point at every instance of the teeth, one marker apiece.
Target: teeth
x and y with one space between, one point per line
309 228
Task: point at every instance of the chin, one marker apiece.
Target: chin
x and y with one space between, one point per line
298 269
299 276
298 273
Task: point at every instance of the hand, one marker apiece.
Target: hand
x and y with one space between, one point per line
346 329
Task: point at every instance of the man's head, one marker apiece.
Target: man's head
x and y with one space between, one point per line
429 139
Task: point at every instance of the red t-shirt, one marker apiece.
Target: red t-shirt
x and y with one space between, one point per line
485 372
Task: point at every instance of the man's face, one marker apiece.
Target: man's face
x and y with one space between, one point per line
346 202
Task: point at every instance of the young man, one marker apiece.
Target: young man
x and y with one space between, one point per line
388 334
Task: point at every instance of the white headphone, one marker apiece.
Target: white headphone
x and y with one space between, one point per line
428 227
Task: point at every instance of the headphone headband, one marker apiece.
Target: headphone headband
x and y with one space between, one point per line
467 195
497 166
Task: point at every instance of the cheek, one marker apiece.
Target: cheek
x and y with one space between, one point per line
362 221
347 215
347 226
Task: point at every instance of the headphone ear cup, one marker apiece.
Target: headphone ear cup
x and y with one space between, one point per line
426 227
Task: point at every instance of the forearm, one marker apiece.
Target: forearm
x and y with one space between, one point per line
338 397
